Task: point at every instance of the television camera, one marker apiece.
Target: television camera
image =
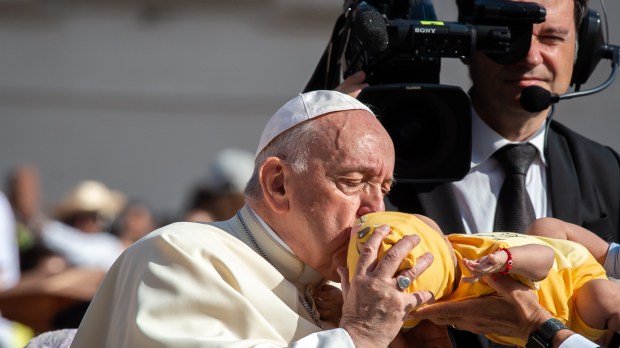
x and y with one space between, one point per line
399 44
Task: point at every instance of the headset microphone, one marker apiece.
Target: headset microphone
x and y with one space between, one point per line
536 98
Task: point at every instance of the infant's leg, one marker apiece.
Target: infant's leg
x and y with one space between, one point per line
598 304
548 227
555 228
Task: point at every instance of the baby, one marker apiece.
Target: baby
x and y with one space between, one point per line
567 279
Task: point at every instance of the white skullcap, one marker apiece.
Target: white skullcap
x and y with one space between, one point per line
304 107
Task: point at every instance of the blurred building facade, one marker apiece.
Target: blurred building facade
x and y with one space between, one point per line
143 94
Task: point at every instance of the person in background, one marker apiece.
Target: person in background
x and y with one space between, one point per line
135 221
24 193
74 249
209 203
9 268
221 194
79 229
231 169
570 177
9 256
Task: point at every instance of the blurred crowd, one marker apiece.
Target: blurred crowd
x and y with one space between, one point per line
53 259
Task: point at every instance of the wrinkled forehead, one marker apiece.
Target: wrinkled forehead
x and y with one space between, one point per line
356 134
344 127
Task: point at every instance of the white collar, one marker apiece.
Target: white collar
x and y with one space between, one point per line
269 231
486 141
273 248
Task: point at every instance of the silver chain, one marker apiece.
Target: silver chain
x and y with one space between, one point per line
260 251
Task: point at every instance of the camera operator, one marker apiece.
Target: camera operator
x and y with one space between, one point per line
570 177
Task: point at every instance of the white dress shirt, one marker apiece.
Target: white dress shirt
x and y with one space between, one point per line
476 195
95 250
9 262
9 254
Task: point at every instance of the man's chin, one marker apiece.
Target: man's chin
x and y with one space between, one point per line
332 273
333 276
510 103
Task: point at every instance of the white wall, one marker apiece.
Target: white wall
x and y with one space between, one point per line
141 94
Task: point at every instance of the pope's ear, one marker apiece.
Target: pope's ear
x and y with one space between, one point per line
271 176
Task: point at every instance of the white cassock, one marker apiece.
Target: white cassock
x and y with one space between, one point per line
223 284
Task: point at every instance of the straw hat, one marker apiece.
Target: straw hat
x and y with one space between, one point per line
91 196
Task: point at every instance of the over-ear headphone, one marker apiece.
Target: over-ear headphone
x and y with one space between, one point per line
590 42
590 47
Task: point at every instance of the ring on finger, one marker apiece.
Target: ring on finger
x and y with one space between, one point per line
403 282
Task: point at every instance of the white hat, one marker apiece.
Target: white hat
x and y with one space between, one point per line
91 196
231 167
303 107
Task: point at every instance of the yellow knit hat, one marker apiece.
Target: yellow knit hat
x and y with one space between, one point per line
438 278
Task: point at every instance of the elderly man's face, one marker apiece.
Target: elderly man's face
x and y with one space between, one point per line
548 64
350 170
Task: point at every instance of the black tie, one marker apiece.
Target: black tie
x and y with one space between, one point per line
514 210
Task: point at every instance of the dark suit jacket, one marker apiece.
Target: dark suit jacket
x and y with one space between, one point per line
583 184
583 181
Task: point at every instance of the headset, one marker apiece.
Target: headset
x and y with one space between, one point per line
590 47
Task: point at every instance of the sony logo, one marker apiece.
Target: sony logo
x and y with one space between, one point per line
425 30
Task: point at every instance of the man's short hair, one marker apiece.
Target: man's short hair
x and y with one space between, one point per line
291 146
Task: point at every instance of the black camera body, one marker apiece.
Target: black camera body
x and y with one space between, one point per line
394 43
400 48
399 44
430 125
